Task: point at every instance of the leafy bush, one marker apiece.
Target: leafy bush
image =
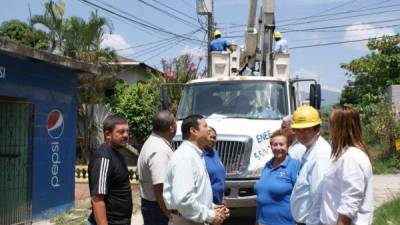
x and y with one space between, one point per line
137 103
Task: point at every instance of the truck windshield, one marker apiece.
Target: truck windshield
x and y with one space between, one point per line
235 99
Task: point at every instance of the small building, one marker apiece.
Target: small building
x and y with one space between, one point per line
38 119
132 71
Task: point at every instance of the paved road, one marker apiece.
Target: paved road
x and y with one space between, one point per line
386 187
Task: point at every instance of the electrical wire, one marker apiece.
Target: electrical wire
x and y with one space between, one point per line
341 42
175 10
188 23
338 18
141 23
365 8
349 30
337 26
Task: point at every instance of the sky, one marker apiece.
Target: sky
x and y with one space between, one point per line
303 23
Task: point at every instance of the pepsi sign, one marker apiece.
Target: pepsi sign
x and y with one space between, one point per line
55 128
55 124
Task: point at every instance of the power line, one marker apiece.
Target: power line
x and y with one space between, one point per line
140 23
337 26
175 10
154 48
324 11
188 23
365 8
350 30
338 18
128 15
189 5
160 44
164 49
143 45
341 42
124 21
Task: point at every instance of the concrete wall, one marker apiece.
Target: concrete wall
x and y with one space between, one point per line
52 91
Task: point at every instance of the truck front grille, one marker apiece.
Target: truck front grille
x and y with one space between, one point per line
231 154
234 152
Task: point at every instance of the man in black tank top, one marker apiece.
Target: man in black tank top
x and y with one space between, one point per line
109 185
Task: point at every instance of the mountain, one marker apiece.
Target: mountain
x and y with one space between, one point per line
329 98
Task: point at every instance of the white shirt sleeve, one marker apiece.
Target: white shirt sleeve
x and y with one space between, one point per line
184 193
158 162
352 186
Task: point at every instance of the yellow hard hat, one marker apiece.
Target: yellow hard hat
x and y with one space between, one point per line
277 34
217 32
304 117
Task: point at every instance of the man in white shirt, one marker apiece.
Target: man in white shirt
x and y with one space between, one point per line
187 187
306 198
152 164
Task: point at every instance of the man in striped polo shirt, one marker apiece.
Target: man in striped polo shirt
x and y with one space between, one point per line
109 185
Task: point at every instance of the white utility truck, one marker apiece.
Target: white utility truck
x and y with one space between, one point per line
244 110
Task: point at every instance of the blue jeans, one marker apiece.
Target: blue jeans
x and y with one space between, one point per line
152 213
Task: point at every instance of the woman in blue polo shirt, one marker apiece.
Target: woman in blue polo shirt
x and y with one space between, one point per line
276 183
215 169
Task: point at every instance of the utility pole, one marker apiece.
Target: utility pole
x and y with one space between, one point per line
269 27
206 8
210 29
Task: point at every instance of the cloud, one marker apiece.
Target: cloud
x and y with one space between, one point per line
363 31
114 41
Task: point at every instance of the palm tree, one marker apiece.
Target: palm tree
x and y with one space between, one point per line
83 39
53 20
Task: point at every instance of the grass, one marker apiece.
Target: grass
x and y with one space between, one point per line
72 217
388 213
388 166
383 161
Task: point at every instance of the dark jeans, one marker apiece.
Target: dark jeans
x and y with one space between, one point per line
152 213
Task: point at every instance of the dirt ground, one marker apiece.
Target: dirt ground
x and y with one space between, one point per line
82 201
386 187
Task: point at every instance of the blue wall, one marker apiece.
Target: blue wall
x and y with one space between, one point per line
52 90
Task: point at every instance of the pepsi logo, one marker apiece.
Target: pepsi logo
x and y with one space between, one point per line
55 124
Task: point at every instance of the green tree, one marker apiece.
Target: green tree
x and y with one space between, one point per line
137 103
83 39
373 73
53 20
370 77
21 33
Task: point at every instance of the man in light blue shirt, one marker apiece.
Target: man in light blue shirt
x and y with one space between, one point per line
306 197
219 44
187 188
281 45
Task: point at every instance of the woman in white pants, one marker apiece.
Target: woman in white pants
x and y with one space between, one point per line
347 186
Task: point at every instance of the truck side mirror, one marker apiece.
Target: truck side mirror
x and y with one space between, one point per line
164 97
315 95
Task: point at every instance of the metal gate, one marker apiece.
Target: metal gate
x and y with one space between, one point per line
16 132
